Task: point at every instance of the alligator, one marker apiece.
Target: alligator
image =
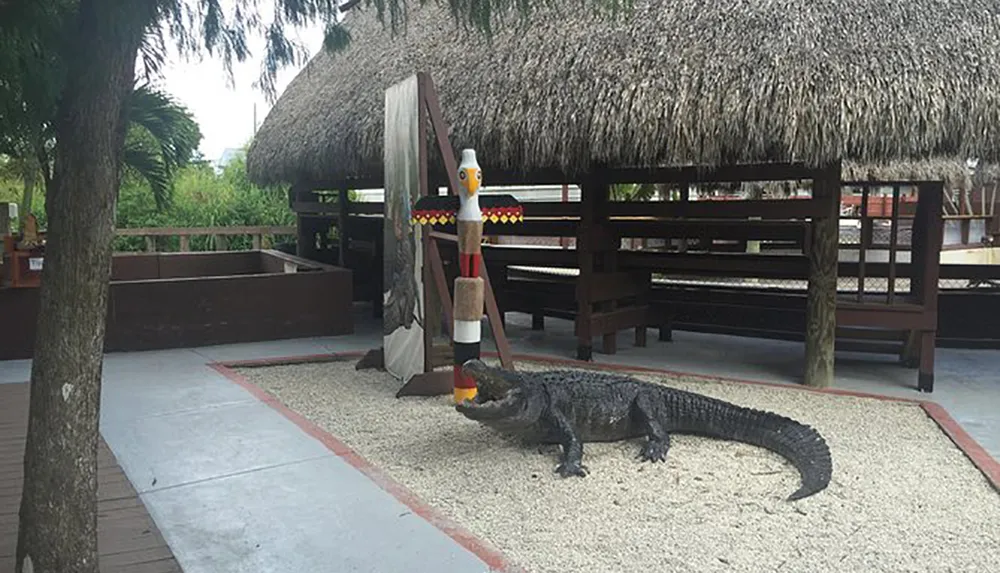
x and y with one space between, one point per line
571 407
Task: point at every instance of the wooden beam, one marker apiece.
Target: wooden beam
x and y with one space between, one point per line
607 286
343 233
737 230
593 195
764 208
440 283
433 107
315 208
202 231
496 325
821 300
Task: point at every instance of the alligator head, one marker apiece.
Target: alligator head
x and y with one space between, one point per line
500 397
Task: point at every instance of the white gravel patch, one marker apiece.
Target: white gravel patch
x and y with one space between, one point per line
903 496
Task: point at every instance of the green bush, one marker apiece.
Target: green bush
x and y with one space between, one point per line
202 199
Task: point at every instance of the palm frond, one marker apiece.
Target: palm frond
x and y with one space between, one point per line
168 122
147 162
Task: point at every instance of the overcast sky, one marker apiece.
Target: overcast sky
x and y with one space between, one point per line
225 113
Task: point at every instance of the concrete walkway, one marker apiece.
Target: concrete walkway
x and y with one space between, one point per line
235 486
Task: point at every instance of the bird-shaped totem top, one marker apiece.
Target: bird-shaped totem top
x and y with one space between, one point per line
468 205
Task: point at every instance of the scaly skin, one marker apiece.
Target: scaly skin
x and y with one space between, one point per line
569 408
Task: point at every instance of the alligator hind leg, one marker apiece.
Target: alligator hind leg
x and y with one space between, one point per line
657 439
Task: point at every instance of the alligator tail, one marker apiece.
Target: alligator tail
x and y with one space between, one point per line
800 444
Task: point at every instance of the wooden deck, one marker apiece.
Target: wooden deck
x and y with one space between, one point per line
128 540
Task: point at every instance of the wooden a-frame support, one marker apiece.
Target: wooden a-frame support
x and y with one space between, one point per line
440 382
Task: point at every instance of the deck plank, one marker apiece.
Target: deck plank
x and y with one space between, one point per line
128 541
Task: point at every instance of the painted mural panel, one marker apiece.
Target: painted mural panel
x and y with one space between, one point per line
402 326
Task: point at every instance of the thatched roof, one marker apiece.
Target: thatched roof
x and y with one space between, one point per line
678 82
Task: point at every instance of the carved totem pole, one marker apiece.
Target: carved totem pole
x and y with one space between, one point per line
469 211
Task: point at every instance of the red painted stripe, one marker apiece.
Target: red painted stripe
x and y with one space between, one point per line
493 558
474 261
461 380
463 264
983 461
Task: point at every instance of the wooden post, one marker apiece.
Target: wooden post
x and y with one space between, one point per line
821 302
343 237
150 244
563 241
591 191
255 242
185 243
4 220
303 239
926 269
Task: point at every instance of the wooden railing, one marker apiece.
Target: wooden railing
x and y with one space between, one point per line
260 235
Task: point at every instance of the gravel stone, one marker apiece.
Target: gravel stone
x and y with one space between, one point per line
903 497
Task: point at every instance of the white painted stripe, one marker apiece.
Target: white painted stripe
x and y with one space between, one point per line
468 331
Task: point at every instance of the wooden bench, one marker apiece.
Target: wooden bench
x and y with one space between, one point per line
903 323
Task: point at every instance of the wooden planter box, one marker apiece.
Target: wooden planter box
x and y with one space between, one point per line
177 300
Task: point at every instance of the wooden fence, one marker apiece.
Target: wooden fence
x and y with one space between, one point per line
260 236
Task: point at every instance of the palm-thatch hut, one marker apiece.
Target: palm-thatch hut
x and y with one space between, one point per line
676 82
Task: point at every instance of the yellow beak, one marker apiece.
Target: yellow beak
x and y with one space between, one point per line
471 182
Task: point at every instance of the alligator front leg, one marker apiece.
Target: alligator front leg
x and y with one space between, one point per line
572 449
657 439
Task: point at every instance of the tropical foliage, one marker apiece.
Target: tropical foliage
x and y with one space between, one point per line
200 197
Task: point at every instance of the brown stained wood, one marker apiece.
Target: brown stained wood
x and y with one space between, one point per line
204 231
431 299
865 240
821 299
737 230
893 242
762 208
313 303
492 308
440 282
601 239
691 175
433 104
551 209
607 286
590 201
436 383
527 227
316 208
614 320
127 538
496 324
932 195
442 355
934 235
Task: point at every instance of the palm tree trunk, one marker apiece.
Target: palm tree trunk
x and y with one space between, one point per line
58 514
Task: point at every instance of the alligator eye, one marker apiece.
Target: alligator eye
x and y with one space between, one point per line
479 175
461 174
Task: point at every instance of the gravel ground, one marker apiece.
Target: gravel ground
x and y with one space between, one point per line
903 497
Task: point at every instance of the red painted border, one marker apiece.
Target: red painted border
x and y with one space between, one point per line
979 457
975 452
493 558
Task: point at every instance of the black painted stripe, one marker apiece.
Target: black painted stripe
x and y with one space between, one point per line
465 351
